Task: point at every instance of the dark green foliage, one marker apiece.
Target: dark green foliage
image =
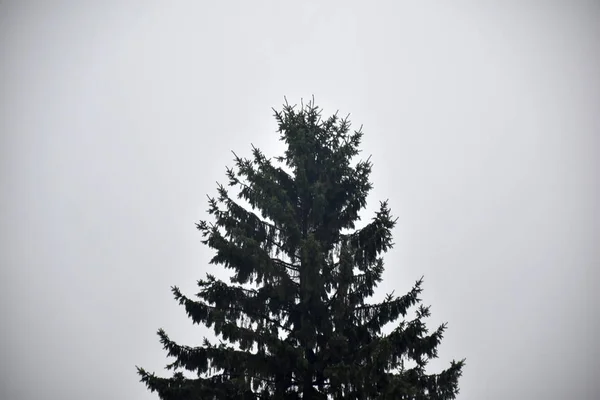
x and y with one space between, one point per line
294 313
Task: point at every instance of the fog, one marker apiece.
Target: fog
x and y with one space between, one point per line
118 117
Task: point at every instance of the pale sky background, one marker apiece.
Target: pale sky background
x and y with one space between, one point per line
117 118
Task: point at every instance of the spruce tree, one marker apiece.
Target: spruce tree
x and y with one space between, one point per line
293 322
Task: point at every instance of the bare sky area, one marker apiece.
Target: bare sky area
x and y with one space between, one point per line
117 118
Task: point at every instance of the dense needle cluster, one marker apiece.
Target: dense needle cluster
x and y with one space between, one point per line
293 322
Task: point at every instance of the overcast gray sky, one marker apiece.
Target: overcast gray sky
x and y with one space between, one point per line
117 118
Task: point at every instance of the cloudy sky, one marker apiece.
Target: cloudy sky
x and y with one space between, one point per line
117 118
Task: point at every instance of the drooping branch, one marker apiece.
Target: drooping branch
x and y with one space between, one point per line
200 312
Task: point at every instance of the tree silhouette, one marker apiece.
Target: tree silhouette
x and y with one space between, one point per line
293 322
